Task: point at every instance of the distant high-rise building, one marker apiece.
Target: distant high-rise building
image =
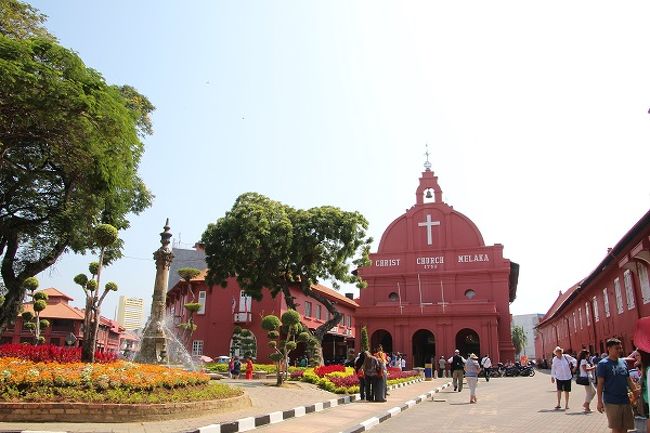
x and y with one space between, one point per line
130 312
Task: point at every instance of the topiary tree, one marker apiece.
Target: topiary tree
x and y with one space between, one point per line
105 237
282 335
365 344
32 321
188 327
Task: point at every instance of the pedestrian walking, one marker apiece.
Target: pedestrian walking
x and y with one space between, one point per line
370 373
486 363
562 374
613 383
231 366
585 378
382 377
249 368
457 364
472 369
358 369
236 368
441 366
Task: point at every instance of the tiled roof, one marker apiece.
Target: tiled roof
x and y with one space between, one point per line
55 293
57 311
319 287
334 294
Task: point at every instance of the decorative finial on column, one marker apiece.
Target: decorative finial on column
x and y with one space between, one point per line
166 234
163 255
427 164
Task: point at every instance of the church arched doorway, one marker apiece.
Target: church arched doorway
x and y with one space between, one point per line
383 337
424 347
467 341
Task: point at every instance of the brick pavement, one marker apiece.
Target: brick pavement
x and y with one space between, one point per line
505 405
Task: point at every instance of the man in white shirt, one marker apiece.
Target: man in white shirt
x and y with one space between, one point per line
561 374
486 363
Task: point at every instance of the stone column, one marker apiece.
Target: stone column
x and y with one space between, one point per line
154 347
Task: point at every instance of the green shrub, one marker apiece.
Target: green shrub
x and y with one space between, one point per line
270 323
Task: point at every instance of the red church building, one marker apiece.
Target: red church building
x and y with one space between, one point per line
434 286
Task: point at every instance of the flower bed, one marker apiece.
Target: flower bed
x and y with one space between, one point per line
269 368
343 380
115 382
50 353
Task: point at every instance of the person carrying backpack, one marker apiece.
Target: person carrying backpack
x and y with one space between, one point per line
457 363
562 373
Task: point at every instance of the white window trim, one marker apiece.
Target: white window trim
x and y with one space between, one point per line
587 313
606 302
202 298
197 347
642 270
596 314
619 295
629 289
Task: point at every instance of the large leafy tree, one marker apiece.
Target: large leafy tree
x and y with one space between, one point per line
70 146
267 244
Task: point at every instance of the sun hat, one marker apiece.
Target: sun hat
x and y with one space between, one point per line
472 356
456 351
558 348
642 334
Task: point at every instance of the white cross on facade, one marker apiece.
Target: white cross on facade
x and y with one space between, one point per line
428 224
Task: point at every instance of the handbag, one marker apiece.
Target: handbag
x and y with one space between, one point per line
582 380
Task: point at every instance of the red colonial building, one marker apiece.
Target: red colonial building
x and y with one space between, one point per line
434 286
606 304
224 309
66 325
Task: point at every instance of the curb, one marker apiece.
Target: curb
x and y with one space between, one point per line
371 422
251 423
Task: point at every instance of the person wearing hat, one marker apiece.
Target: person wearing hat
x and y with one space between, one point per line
472 370
612 390
457 363
561 374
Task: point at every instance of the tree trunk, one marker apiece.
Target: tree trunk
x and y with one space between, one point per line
321 331
11 307
90 338
15 292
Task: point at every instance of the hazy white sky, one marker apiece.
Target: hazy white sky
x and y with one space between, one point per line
536 115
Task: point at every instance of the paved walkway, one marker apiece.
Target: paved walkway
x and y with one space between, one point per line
505 405
342 418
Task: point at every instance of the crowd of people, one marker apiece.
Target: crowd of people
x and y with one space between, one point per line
618 382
